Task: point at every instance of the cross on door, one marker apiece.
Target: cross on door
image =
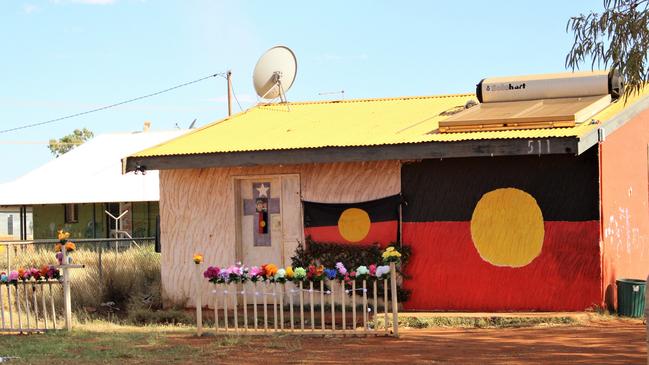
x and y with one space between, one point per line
260 204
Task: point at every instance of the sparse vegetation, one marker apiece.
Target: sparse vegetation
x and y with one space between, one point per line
125 287
483 322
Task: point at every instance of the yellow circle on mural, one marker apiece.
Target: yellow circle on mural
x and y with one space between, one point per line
507 227
354 224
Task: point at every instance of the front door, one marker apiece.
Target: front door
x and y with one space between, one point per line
269 219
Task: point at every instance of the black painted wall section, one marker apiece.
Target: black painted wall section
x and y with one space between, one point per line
566 187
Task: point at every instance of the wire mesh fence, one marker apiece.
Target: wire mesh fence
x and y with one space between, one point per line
95 253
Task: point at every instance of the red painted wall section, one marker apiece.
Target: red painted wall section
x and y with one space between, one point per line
444 259
624 199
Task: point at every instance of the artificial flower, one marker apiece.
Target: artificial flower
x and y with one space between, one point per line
382 272
256 274
299 274
391 255
21 273
57 247
331 273
280 276
289 272
53 273
372 270
13 276
342 271
270 270
212 274
70 246
44 270
362 272
317 273
35 273
3 277
198 258
63 235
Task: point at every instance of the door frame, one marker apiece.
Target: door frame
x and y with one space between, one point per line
236 189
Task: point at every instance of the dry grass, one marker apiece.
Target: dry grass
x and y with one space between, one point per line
130 279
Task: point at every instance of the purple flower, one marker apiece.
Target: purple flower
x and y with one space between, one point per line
53 273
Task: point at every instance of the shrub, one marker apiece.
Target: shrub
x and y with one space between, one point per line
352 256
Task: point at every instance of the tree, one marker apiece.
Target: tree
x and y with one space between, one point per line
70 141
617 38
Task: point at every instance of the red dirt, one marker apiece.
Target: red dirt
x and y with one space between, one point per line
606 342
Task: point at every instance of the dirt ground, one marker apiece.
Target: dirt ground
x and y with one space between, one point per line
613 341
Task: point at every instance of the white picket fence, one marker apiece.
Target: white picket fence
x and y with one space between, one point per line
29 306
266 303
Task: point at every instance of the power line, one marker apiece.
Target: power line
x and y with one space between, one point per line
236 99
31 125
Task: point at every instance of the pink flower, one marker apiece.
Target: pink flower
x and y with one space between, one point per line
13 276
373 270
341 268
256 271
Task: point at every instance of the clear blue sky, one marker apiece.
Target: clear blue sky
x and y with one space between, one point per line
64 56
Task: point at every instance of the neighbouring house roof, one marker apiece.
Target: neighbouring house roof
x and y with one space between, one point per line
366 129
90 173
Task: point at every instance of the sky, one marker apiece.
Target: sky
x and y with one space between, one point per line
62 57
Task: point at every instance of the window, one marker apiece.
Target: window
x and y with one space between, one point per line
71 213
10 225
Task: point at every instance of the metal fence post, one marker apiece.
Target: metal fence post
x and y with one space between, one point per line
99 263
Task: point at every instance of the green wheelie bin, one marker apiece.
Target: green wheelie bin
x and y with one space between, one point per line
630 297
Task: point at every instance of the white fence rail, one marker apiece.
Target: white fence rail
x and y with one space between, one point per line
309 308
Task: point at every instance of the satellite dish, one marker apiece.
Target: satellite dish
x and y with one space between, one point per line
274 73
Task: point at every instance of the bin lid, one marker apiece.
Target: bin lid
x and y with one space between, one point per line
632 281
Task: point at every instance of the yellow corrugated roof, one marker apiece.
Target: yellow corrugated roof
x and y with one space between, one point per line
348 123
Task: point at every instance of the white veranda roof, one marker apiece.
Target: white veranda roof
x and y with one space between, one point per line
90 173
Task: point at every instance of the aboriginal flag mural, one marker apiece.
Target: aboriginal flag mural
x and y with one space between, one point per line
375 221
503 233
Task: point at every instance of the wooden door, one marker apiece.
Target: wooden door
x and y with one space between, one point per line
269 221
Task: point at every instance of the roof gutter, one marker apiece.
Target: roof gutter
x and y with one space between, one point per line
409 151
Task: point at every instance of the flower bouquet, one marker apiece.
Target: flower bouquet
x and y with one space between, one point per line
212 274
256 274
63 242
299 274
362 272
391 255
382 272
269 271
280 276
316 273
